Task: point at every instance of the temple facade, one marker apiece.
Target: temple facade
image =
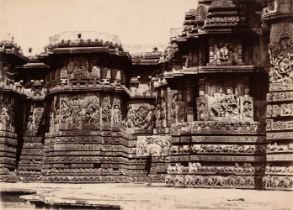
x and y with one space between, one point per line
213 110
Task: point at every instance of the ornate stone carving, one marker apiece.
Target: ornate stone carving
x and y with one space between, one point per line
224 52
216 127
278 182
276 125
279 135
76 111
116 112
280 96
281 71
236 149
34 119
140 116
275 148
7 115
178 108
279 157
219 101
280 110
154 145
106 109
6 73
210 181
228 139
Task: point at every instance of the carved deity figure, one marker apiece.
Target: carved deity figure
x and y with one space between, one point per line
106 110
164 113
6 111
281 61
158 115
222 53
180 108
96 72
225 105
116 114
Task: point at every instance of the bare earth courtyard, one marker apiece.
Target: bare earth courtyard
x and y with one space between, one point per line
142 196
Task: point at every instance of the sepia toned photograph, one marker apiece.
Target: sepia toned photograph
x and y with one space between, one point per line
146 104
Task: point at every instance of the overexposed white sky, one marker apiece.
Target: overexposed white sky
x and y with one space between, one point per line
136 22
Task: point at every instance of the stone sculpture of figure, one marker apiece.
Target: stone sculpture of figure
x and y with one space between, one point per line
5 117
130 117
281 71
219 96
180 109
164 113
96 72
192 167
173 106
116 114
63 73
216 107
222 53
158 115
106 110
247 110
231 104
202 115
148 122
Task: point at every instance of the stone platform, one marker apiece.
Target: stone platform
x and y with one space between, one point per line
154 197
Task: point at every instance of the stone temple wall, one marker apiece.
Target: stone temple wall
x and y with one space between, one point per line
213 110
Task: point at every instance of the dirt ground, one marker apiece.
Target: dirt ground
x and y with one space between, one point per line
158 197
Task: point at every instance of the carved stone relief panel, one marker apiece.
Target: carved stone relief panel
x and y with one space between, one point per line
280 110
83 69
154 145
116 112
106 109
225 52
281 70
6 73
160 111
140 116
7 116
219 100
35 119
75 111
178 108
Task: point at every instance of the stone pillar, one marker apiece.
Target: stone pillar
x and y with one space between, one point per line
279 129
